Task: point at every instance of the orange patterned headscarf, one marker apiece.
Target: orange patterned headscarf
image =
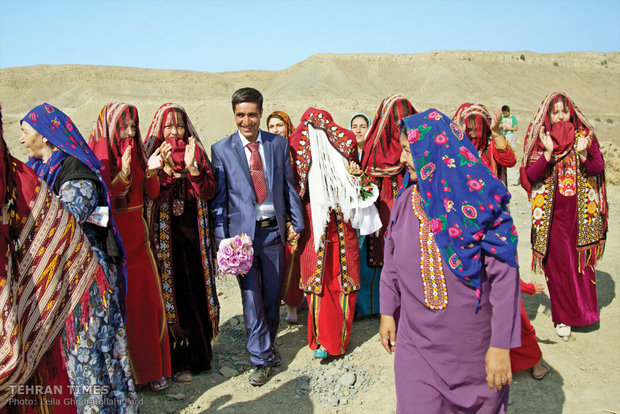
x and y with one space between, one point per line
285 118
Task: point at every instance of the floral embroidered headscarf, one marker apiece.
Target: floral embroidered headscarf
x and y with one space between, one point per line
466 204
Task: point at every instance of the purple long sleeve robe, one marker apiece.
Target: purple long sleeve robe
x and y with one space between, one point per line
439 360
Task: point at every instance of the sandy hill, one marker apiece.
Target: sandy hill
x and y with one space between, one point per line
341 84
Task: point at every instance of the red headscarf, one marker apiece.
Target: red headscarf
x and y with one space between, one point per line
381 155
481 117
107 145
155 137
343 140
562 133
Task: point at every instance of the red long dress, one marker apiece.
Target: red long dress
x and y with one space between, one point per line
147 331
331 276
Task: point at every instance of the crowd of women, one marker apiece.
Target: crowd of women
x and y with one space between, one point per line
107 249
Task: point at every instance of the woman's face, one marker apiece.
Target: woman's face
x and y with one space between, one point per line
559 113
359 126
471 128
406 158
128 129
174 126
34 142
276 126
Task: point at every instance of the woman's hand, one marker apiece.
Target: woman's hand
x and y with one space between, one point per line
547 142
583 143
353 168
291 235
190 153
495 122
155 161
497 366
499 138
538 288
387 333
126 163
166 157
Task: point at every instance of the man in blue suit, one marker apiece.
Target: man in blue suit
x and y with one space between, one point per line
256 195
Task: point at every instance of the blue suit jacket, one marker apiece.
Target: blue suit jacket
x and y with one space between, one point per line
234 205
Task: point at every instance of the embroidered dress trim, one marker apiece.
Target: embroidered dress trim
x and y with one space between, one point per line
431 268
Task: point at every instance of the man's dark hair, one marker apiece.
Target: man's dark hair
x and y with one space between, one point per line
247 95
505 108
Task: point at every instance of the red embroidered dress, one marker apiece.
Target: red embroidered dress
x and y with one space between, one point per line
185 247
331 275
147 333
569 211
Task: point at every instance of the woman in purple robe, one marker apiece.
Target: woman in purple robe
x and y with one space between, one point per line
453 321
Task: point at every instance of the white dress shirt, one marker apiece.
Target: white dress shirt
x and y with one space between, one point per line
265 210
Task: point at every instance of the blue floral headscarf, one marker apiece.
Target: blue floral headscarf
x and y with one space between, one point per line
467 205
61 132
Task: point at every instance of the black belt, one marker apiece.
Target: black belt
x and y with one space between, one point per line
268 222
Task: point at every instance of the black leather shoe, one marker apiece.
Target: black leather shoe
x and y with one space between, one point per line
260 375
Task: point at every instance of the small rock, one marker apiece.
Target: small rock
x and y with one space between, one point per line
357 350
335 401
176 397
234 321
348 379
228 372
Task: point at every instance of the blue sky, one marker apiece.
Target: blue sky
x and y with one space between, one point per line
218 36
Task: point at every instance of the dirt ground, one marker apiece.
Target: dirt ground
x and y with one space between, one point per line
584 369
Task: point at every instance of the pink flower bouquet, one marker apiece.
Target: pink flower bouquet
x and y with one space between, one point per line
235 255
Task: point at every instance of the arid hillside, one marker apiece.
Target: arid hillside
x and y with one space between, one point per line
341 84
